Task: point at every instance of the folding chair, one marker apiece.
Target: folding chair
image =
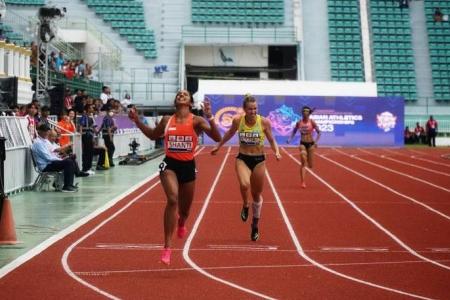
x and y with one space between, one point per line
46 178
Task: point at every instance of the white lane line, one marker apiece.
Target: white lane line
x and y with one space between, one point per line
158 248
63 233
148 247
244 247
444 156
327 250
407 164
308 265
440 250
195 227
388 188
372 220
302 253
395 172
354 249
128 246
65 257
418 158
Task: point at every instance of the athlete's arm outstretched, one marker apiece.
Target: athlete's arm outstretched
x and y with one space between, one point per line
228 135
151 133
211 130
294 131
268 132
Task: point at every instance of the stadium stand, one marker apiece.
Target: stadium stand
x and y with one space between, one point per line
439 46
26 2
393 54
127 17
345 41
92 87
12 36
265 12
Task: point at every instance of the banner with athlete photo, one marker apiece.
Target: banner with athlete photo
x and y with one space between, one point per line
343 121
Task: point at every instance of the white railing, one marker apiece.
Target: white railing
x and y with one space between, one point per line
19 172
229 34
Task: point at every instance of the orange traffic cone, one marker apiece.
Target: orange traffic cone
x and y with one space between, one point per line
7 228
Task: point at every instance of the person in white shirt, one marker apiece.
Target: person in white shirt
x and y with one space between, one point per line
49 162
106 94
126 101
64 152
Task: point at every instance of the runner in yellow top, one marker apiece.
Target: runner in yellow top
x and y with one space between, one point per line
250 165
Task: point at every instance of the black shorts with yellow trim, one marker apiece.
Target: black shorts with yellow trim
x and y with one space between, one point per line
184 170
251 160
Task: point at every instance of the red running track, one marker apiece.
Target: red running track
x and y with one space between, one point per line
343 237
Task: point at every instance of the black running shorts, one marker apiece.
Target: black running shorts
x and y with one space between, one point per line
251 160
185 170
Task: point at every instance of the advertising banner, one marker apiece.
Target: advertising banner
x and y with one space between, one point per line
343 121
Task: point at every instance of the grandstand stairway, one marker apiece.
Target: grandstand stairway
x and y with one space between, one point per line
346 54
421 53
136 75
316 43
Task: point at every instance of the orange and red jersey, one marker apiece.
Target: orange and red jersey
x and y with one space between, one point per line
180 140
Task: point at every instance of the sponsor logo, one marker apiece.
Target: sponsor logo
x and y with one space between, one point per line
224 117
386 121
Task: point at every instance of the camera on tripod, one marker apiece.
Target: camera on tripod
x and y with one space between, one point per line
48 13
134 145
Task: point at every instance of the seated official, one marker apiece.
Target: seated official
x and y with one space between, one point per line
48 162
64 152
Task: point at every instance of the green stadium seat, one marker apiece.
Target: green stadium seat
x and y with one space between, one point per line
345 40
439 47
238 12
127 17
391 36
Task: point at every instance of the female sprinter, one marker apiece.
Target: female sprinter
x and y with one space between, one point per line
307 143
177 171
250 166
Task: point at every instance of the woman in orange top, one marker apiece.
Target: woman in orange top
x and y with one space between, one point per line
66 122
177 171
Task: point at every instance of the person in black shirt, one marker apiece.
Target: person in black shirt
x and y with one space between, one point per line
108 128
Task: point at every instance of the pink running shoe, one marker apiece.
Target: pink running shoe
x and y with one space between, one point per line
181 231
165 256
303 185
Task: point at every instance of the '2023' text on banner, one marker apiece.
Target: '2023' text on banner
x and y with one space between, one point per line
343 121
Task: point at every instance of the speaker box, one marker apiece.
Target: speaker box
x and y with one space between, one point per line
8 92
56 95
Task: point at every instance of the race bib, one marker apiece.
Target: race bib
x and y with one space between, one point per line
180 143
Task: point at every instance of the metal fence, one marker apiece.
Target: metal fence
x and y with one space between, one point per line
229 34
19 171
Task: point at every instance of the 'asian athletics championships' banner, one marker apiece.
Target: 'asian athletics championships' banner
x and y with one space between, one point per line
343 121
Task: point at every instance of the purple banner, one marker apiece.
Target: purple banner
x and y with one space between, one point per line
343 121
123 123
